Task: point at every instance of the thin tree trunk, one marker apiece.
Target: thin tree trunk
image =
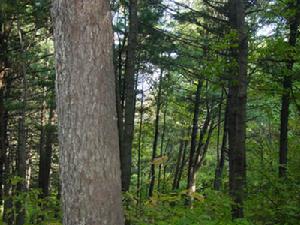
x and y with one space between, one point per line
156 135
237 108
221 162
183 162
88 135
191 186
138 188
120 90
45 156
126 147
161 149
219 125
286 96
178 164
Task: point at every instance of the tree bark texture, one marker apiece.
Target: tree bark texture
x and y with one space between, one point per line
88 134
22 140
237 107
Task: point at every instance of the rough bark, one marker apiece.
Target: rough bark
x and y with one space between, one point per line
88 134
21 147
237 107
126 147
286 96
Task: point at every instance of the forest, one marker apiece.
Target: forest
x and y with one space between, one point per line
137 112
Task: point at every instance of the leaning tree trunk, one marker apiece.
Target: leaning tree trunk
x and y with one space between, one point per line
286 96
237 107
126 145
88 134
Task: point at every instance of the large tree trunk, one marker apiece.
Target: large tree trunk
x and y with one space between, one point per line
128 133
88 134
8 214
286 96
4 90
3 125
237 107
21 148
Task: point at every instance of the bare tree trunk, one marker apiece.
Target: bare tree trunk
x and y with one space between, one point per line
4 90
183 162
237 108
178 164
126 147
286 96
45 156
119 90
8 214
88 134
156 135
162 140
138 187
3 141
21 149
3 130
221 162
191 169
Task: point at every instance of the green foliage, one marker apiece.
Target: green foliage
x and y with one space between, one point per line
39 211
212 209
